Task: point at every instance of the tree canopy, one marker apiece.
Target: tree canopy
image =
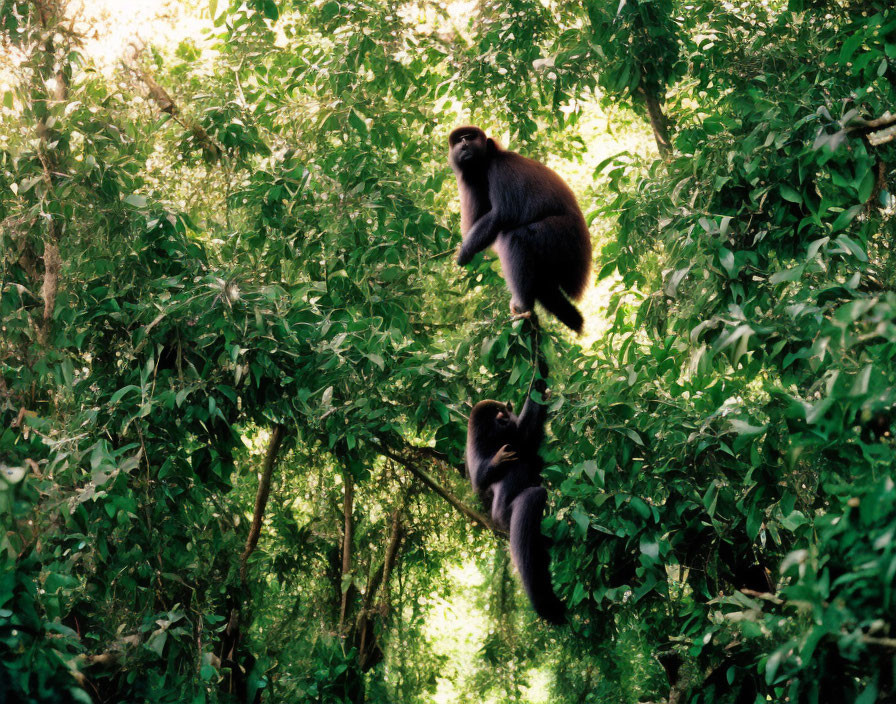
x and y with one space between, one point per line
237 357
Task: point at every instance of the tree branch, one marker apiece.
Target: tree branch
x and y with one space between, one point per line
474 516
50 285
882 642
167 105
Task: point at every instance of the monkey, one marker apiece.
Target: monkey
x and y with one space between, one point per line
505 470
530 217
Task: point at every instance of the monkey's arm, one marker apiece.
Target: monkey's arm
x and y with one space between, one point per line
534 414
481 235
493 469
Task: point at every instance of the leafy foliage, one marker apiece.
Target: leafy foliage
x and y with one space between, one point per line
250 233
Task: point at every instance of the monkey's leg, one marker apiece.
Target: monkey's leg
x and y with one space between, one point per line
563 252
518 267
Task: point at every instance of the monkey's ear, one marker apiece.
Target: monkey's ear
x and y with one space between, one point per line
491 147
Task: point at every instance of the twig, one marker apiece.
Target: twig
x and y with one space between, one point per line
765 596
883 642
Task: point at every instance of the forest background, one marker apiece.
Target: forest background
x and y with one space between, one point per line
236 356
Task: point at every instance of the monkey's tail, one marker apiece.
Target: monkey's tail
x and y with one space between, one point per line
562 308
530 555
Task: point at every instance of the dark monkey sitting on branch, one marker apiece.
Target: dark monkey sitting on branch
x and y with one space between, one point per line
531 218
505 469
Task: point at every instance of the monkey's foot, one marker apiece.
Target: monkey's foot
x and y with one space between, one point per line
517 314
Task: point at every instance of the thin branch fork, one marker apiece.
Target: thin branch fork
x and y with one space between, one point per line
877 131
378 582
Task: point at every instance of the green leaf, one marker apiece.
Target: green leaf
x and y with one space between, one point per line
711 498
794 520
582 521
118 395
846 217
814 248
357 122
270 10
780 277
744 428
156 642
861 384
633 435
852 247
136 200
726 259
329 10
790 194
850 44
181 397
866 185
640 506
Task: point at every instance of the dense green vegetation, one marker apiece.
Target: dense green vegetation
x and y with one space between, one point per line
236 356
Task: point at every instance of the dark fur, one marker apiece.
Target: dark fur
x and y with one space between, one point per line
531 218
511 489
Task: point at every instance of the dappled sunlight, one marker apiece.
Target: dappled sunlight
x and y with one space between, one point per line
112 30
456 629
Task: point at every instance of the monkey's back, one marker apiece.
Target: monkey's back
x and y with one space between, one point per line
547 221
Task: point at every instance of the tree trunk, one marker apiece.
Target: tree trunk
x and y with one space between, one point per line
346 546
232 654
657 122
261 498
50 76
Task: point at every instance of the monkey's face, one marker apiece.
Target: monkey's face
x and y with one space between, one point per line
504 417
467 146
492 421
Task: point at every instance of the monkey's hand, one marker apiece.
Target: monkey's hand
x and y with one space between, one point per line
504 455
464 257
